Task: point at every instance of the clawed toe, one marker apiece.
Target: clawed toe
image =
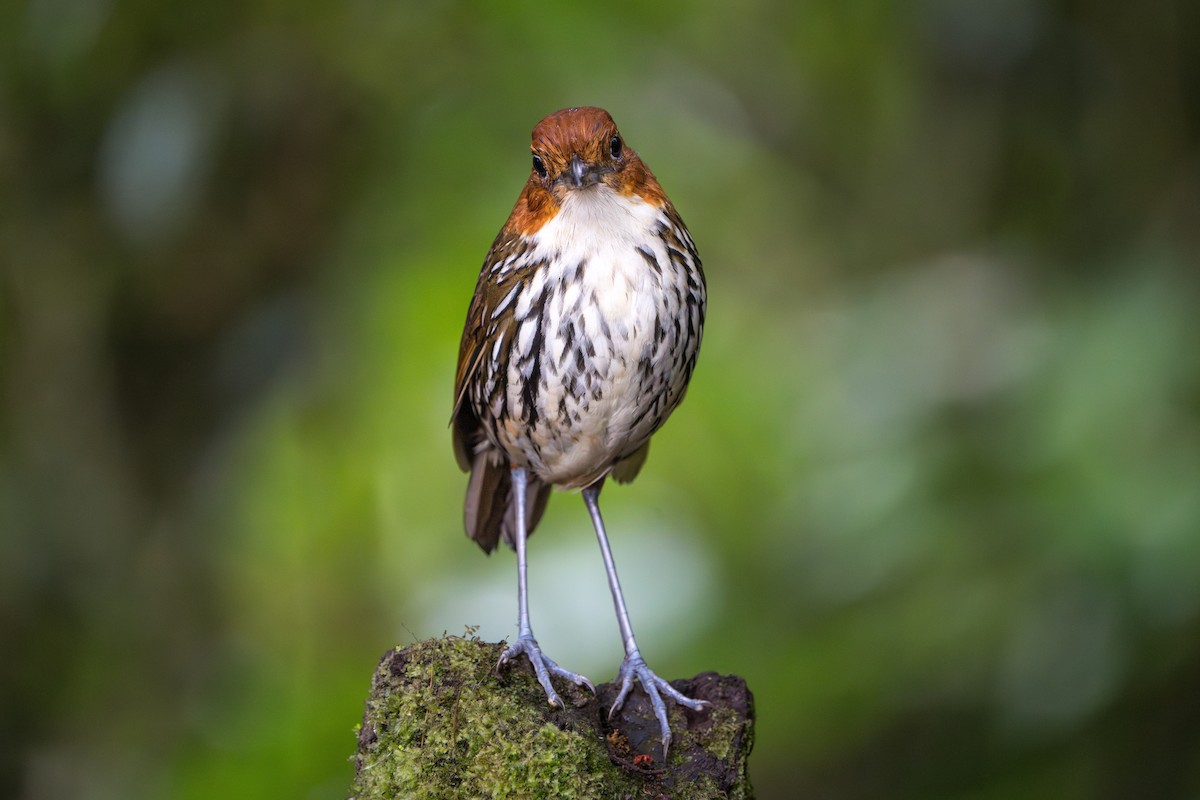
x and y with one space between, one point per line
543 668
635 667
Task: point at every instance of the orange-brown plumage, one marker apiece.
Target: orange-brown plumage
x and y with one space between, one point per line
586 132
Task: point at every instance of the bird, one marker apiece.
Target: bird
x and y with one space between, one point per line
579 342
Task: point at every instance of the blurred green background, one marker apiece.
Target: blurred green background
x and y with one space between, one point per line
935 490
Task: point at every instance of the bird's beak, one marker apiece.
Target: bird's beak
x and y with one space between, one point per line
580 173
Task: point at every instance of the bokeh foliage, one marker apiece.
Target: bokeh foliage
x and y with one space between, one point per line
935 491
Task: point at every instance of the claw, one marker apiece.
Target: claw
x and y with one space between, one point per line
543 668
634 666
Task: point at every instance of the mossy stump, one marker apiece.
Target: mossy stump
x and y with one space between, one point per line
441 723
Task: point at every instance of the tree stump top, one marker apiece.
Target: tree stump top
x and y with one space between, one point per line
441 723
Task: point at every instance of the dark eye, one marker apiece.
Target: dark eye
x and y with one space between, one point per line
538 166
614 146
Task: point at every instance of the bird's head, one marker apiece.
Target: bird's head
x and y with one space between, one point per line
576 150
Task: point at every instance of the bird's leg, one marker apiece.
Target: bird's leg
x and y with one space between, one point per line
634 666
543 667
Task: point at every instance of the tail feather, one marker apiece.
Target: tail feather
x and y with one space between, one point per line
627 469
483 511
489 512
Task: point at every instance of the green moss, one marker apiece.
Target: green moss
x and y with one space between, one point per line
446 727
440 723
718 739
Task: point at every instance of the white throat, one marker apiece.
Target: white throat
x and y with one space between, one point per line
598 220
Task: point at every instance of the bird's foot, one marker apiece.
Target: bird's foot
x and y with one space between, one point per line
634 666
543 668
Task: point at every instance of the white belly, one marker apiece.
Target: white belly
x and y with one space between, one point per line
616 356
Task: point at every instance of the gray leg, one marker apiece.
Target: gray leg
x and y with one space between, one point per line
634 666
543 667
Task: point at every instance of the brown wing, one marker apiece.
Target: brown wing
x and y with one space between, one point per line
489 316
488 510
466 429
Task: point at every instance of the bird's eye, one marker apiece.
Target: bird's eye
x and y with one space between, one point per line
538 166
614 146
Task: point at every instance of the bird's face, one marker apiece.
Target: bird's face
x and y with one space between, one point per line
578 152
578 148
